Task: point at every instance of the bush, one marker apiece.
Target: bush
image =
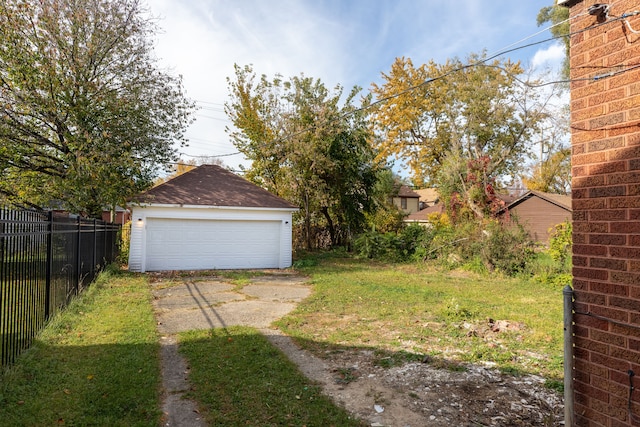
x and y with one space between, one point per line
507 249
484 246
409 243
553 266
561 242
124 238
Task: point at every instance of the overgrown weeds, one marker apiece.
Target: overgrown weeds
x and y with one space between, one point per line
486 246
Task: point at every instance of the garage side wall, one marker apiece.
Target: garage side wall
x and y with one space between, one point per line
266 232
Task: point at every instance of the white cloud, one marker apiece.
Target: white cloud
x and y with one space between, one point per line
551 57
341 42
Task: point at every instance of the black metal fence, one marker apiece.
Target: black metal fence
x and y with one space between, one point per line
45 259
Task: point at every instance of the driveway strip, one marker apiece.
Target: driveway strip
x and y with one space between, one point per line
213 303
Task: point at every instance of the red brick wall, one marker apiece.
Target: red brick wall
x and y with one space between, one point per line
605 120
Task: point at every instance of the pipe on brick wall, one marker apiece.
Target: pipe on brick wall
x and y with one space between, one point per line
567 294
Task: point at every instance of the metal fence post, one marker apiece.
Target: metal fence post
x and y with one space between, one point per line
78 268
567 293
95 248
49 266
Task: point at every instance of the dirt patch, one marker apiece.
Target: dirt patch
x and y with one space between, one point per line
413 394
419 394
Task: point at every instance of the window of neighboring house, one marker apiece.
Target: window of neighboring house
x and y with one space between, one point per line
403 202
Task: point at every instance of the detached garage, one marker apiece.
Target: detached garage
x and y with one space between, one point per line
209 218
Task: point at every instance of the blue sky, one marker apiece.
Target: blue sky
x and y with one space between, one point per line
347 42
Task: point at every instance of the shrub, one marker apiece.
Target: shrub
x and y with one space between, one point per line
124 238
507 249
410 242
561 242
487 245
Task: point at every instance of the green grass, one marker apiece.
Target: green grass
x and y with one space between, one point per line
404 310
97 363
240 379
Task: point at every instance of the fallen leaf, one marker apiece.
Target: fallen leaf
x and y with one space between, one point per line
66 391
89 377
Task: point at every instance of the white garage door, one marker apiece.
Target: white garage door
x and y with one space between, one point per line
178 244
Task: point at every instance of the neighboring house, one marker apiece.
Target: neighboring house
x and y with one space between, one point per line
122 215
209 218
538 212
428 197
422 216
407 200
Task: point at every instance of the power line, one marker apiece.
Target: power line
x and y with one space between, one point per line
483 62
210 155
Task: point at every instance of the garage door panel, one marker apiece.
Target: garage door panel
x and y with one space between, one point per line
205 244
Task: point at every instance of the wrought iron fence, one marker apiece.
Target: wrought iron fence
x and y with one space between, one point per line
45 259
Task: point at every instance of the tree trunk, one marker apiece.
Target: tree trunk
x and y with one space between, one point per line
307 220
332 229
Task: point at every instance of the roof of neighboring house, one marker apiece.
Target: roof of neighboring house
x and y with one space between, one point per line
211 185
405 191
560 200
428 194
423 215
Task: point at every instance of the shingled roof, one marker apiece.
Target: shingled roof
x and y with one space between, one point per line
211 185
560 200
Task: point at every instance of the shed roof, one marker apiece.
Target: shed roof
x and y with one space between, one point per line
560 200
211 185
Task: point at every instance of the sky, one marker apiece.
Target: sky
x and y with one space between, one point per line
346 42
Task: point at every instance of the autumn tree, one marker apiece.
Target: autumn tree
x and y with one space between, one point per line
458 125
306 146
553 175
86 116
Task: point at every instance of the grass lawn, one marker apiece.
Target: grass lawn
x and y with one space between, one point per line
97 363
240 379
404 311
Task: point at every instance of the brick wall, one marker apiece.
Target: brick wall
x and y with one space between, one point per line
605 120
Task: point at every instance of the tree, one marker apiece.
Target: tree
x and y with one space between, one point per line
305 147
552 175
386 217
461 126
86 116
558 16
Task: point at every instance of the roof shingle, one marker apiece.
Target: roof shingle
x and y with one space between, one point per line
211 185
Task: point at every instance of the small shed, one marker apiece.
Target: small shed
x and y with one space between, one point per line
209 218
538 212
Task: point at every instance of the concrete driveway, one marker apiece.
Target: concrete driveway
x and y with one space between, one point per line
188 304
